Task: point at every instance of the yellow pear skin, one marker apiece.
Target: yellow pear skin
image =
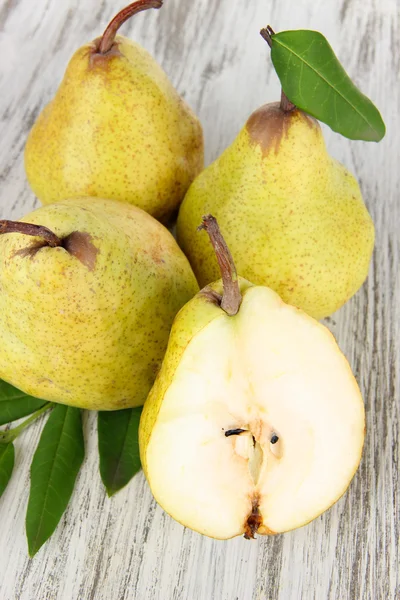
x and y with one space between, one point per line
86 323
293 217
117 129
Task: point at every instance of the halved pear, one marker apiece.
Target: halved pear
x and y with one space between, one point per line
255 423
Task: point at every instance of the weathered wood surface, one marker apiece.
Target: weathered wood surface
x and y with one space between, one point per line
127 547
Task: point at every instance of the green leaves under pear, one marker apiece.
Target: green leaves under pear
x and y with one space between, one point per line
15 404
54 469
118 447
7 457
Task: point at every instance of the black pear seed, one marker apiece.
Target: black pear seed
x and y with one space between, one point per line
233 432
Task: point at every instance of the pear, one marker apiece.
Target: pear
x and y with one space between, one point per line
293 217
116 128
255 423
87 303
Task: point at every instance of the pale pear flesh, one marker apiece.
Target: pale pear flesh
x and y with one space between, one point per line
87 323
293 217
275 373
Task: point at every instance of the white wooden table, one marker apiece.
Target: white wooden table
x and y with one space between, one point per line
127 547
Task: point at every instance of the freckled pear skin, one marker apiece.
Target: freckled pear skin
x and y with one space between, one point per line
115 129
87 323
293 217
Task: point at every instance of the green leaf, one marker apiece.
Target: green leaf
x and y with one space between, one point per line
54 468
6 465
118 447
14 404
314 80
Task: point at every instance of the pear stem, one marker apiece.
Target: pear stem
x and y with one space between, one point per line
110 32
267 33
285 104
11 434
231 297
30 229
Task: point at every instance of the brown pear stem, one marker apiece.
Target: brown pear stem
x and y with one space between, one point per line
231 297
30 229
110 32
267 33
285 104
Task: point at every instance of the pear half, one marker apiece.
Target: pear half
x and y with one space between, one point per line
255 423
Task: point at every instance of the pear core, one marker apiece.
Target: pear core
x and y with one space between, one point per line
255 423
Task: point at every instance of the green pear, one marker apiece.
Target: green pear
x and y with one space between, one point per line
116 128
293 217
255 423
86 305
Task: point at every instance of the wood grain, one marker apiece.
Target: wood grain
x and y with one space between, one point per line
126 547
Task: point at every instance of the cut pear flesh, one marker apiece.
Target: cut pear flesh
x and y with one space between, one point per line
261 427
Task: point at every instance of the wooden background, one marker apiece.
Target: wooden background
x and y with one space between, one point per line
127 547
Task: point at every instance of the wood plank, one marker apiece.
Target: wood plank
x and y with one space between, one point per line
126 547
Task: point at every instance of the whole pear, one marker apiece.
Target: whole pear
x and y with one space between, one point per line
116 128
293 216
87 303
255 423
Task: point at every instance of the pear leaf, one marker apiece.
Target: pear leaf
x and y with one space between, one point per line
15 404
313 79
7 456
118 447
54 469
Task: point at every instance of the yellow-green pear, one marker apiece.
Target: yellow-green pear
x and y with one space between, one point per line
116 128
255 423
293 216
87 303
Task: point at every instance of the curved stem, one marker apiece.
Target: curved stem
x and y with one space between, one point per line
9 436
110 32
286 105
30 229
231 297
267 33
